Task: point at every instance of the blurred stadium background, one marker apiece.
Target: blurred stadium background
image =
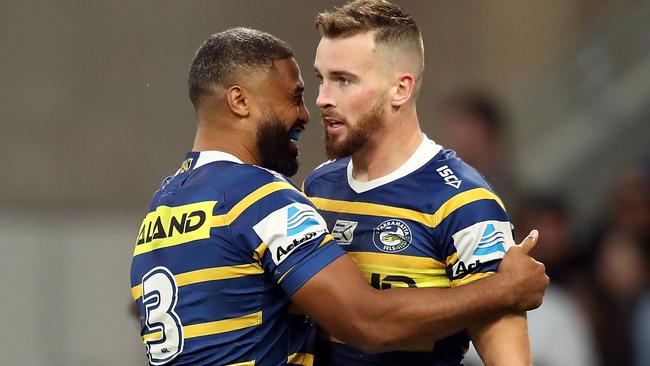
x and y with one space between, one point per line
94 112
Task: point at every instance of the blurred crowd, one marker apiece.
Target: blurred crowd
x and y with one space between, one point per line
597 309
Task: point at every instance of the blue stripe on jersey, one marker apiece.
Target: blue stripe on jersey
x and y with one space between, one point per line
217 251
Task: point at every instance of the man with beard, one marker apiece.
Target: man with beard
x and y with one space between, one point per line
229 241
409 212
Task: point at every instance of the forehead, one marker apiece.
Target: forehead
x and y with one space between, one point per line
285 76
354 53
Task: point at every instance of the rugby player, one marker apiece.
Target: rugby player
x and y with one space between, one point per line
409 212
229 241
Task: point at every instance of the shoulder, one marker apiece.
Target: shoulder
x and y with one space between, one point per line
447 176
245 182
245 177
452 171
328 171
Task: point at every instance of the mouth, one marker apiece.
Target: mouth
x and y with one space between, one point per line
332 124
294 136
295 131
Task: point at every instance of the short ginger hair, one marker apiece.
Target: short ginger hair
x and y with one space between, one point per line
392 28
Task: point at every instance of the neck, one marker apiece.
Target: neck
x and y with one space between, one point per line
211 135
389 149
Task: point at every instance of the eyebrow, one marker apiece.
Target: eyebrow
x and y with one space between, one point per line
299 89
336 73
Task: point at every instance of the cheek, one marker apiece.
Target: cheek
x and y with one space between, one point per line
359 103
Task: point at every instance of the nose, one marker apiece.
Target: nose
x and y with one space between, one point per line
303 113
324 99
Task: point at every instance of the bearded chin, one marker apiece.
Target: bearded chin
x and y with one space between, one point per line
273 145
357 137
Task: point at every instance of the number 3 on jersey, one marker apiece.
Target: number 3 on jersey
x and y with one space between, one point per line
159 296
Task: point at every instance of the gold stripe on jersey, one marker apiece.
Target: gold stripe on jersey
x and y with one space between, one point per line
215 327
463 199
397 260
399 277
285 274
209 274
470 278
430 220
169 226
452 259
327 239
258 253
229 217
222 326
304 359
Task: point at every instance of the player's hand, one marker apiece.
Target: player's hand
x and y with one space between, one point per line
524 276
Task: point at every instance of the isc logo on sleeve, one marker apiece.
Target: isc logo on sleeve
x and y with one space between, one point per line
287 228
449 177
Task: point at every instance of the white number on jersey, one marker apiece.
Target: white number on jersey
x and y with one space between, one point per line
159 296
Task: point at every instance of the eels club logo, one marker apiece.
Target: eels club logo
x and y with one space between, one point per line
392 236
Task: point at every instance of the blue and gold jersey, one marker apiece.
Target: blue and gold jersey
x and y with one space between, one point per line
224 246
434 222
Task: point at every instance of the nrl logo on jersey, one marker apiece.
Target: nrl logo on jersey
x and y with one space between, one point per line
343 231
186 165
392 236
449 177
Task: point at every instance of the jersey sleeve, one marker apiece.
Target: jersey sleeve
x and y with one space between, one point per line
476 235
285 234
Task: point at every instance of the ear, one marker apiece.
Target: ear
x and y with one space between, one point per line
402 89
238 100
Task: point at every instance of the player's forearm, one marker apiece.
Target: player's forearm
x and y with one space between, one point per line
502 340
402 317
340 300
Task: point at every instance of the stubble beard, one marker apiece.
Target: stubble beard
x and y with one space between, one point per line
357 136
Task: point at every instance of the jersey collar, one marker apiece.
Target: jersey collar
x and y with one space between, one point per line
197 159
424 153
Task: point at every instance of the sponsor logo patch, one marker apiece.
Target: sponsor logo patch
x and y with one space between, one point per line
461 269
175 225
479 244
491 241
299 221
287 228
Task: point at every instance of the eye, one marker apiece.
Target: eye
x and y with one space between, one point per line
320 79
298 100
343 81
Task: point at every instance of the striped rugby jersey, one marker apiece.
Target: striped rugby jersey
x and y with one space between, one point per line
434 222
224 246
